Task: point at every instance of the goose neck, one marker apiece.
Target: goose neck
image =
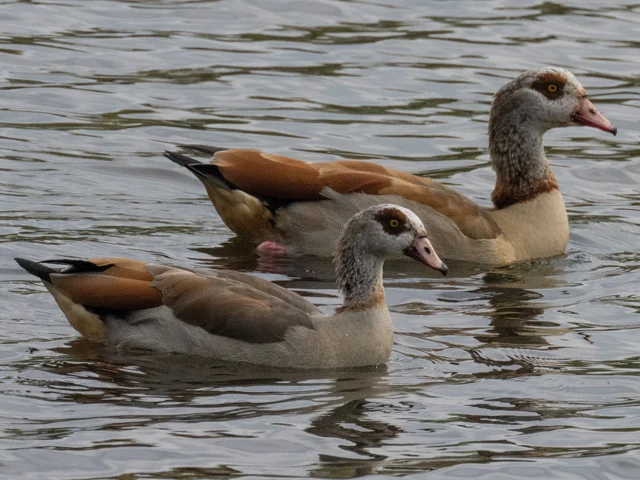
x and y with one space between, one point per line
518 158
359 278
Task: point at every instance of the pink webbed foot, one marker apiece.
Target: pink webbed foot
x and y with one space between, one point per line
271 256
271 248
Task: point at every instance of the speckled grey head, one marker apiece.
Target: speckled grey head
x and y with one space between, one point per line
387 231
546 98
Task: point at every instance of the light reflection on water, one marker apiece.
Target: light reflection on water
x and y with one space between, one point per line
527 370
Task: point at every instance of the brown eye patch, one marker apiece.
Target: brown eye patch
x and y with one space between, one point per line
393 221
550 84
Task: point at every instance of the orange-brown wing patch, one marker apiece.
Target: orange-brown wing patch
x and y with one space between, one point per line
267 175
99 290
368 167
350 177
123 268
345 180
275 176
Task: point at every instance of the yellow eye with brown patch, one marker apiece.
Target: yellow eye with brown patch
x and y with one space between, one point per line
552 88
393 223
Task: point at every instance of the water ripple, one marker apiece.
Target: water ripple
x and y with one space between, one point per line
520 371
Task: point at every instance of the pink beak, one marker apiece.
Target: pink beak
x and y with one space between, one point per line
586 114
422 250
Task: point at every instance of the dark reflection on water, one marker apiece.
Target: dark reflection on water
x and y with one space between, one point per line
522 371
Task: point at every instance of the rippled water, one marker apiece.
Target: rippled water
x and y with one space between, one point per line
518 372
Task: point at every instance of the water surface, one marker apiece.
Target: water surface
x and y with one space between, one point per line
515 372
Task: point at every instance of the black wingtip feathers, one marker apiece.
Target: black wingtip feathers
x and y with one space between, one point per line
34 268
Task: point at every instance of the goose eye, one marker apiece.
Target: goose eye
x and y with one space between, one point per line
552 88
393 223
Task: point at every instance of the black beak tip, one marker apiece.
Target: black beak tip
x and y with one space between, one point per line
614 130
444 270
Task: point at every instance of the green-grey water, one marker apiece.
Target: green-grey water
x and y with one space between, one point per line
527 371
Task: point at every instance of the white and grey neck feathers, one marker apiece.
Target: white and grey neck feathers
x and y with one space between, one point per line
517 154
359 271
370 237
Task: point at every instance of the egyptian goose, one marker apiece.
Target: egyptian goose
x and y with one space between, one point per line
302 206
234 316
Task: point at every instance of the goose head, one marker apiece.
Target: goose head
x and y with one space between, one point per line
546 98
388 231
369 238
522 111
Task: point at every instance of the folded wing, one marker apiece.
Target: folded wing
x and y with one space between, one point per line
224 303
267 176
